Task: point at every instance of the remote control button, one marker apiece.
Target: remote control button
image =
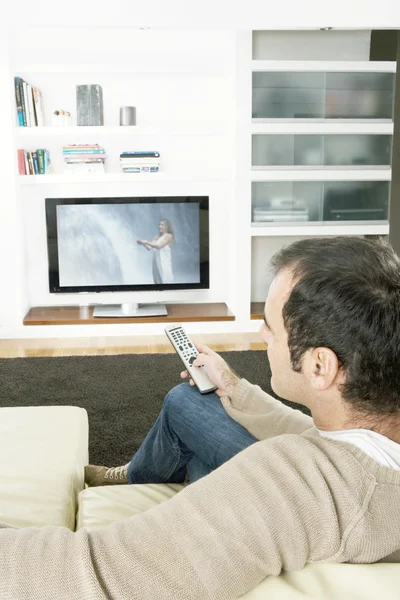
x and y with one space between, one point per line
192 359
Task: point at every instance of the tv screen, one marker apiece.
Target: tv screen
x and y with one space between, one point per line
123 244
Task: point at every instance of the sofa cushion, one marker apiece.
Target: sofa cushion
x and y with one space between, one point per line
43 452
332 582
99 506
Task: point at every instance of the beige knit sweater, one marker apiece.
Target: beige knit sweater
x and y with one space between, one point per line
293 498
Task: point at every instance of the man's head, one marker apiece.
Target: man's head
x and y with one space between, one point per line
333 324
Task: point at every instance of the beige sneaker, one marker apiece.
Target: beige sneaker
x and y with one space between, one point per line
106 476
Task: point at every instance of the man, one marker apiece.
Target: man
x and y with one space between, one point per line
320 489
199 433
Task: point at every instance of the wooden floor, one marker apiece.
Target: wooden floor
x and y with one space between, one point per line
122 345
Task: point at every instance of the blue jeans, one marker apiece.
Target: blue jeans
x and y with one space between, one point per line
192 433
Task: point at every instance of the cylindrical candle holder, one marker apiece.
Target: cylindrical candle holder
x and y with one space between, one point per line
127 115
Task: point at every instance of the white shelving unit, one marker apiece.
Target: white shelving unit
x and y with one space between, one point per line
181 88
193 94
266 238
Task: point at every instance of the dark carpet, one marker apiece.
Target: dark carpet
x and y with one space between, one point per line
122 394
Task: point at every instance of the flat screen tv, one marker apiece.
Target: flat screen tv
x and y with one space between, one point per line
127 244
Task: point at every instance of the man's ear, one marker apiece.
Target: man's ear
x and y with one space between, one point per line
321 368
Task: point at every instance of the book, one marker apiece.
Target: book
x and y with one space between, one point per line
39 109
18 100
35 162
47 162
21 162
40 157
83 160
21 93
30 162
31 108
26 162
141 169
146 154
139 161
83 151
26 103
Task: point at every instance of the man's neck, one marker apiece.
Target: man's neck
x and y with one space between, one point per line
342 419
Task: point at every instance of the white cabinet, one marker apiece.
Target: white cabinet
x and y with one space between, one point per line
316 144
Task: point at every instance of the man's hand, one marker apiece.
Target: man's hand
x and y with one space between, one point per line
217 369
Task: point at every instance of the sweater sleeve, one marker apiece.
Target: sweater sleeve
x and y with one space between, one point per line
267 509
261 414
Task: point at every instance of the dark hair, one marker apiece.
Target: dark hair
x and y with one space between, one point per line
347 298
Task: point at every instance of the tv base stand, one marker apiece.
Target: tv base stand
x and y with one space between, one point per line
131 309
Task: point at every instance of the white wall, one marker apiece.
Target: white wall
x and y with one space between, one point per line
211 14
12 276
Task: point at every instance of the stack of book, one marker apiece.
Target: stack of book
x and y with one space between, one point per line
140 162
33 162
29 104
84 158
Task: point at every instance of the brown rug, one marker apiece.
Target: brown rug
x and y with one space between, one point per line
122 394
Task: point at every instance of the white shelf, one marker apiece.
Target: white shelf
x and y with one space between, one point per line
321 126
193 128
282 229
113 178
318 66
321 174
161 67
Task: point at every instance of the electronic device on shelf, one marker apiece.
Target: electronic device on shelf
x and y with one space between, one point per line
128 244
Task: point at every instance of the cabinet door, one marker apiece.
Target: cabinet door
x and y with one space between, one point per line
288 95
323 95
321 150
313 201
359 95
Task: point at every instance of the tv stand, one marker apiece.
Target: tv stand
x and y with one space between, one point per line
129 309
79 315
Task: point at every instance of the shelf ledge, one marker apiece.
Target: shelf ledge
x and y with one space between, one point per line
278 229
209 129
177 313
115 178
324 66
320 174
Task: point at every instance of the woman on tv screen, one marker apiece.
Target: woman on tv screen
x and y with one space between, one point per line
161 248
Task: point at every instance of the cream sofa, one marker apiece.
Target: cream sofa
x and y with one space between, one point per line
43 451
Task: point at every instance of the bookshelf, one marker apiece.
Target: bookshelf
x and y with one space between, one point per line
185 110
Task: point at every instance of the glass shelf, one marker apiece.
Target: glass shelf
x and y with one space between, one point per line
323 95
313 201
321 150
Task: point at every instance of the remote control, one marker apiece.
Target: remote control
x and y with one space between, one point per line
188 353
